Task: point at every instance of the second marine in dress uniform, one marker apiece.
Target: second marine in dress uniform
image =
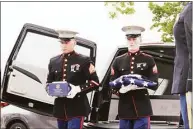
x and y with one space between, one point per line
134 108
79 71
182 76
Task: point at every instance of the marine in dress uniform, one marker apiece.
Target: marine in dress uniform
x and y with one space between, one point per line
182 77
79 71
134 108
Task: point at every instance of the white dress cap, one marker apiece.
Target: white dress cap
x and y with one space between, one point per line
66 33
133 30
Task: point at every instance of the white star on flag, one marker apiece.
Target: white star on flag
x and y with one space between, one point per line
114 83
145 84
121 81
132 80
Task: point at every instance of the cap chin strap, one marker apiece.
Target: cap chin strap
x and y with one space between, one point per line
67 38
133 35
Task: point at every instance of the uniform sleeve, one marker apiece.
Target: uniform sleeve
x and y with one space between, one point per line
50 76
153 73
92 82
114 75
188 34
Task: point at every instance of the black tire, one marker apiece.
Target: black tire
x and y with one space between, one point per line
17 125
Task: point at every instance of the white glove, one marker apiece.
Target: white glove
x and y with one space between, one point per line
125 89
74 90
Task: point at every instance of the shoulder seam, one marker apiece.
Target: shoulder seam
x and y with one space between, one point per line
146 54
55 57
122 55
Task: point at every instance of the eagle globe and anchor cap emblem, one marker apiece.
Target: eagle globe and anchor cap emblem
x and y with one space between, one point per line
58 86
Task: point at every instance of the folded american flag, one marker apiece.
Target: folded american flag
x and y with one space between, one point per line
134 79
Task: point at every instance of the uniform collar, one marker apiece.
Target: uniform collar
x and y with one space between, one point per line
134 54
69 54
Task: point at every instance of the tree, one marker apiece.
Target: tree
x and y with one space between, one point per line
164 16
123 8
